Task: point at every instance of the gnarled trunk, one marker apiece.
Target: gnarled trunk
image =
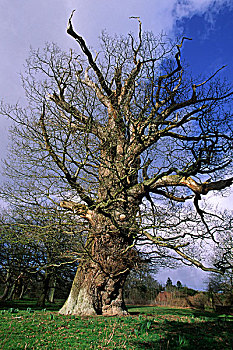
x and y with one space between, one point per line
94 293
98 285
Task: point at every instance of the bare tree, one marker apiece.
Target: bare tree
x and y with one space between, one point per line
112 133
38 246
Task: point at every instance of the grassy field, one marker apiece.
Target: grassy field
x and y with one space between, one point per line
22 326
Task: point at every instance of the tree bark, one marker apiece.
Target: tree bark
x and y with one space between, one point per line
7 286
11 293
52 289
5 293
44 293
93 293
98 285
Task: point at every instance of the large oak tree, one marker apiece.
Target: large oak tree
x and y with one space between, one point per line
114 133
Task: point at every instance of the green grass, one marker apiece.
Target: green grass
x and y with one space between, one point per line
145 328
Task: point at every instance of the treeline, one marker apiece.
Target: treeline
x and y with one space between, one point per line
39 253
143 288
218 294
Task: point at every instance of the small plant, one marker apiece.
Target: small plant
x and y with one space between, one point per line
143 327
29 310
182 341
12 310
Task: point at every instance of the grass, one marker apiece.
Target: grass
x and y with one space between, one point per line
22 326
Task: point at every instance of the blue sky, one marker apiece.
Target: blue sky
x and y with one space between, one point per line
25 23
212 44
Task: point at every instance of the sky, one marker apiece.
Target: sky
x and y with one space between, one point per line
32 23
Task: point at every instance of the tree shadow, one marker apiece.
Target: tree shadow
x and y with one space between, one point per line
29 303
205 335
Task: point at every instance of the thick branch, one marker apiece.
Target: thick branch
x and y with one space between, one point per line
91 61
152 185
128 88
172 196
178 180
100 95
140 39
79 209
169 75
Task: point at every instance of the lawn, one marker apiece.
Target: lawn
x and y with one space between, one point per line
24 327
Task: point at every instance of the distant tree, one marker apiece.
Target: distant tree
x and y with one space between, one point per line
16 257
223 251
141 287
179 284
35 252
169 284
122 139
222 258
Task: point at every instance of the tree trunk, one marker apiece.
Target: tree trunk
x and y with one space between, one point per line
98 285
5 293
92 293
52 289
7 287
22 292
44 293
109 255
11 293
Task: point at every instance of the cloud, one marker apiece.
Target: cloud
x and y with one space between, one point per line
156 15
221 201
209 8
184 9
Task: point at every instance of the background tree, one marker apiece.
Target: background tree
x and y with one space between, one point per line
38 248
141 287
16 258
178 284
222 257
119 138
169 285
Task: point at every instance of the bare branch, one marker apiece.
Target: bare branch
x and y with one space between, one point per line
140 39
91 61
61 165
185 256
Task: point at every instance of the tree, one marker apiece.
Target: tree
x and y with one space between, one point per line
35 252
222 258
15 261
120 139
169 285
141 286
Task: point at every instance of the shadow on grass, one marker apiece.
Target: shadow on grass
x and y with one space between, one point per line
30 303
168 311
191 336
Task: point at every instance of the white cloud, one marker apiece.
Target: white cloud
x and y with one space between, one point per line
189 8
222 200
93 16
209 9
